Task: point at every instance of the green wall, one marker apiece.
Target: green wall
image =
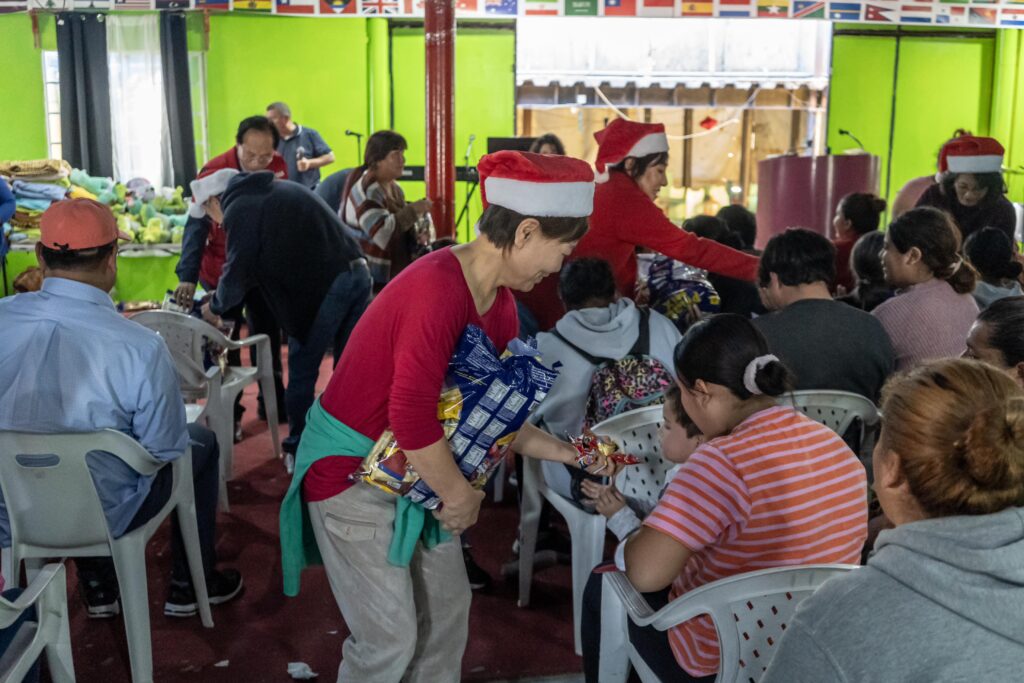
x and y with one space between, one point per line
940 84
317 66
484 99
23 114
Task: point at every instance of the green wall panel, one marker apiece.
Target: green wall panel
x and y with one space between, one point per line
321 73
484 99
23 114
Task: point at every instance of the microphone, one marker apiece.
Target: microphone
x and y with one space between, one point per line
352 133
469 148
852 137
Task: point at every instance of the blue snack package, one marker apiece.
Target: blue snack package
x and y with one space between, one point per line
681 292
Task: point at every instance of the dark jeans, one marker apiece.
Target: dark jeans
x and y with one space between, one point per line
651 644
339 312
261 320
206 480
7 634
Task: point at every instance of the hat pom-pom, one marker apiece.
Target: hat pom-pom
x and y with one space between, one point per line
601 177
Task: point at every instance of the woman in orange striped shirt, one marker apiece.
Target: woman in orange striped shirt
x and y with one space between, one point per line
771 488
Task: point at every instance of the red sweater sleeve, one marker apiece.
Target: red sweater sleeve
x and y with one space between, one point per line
663 236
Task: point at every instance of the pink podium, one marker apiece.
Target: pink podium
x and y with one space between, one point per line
802 192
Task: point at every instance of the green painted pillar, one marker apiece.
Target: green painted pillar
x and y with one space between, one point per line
1007 101
379 65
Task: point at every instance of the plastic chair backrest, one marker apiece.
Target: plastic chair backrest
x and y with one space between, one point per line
186 338
839 411
636 432
750 612
50 496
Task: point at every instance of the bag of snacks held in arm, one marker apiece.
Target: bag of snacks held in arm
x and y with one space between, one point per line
484 403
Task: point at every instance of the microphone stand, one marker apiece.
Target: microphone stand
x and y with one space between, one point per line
472 187
359 145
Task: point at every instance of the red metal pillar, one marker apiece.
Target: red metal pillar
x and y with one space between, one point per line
440 163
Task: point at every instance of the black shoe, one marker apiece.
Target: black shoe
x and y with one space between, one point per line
282 412
221 586
100 599
478 578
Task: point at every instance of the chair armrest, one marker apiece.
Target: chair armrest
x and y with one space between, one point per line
251 340
636 606
31 594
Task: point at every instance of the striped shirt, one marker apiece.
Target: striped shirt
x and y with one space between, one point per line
779 490
382 220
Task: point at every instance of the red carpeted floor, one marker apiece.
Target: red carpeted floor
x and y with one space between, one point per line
256 636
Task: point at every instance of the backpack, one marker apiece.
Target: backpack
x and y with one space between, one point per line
633 381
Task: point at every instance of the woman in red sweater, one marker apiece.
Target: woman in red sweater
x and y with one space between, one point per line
401 587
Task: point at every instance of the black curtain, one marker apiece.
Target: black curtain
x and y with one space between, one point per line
178 96
85 92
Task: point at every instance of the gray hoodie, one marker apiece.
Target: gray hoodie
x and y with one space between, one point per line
940 600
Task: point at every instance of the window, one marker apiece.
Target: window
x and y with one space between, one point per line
197 78
51 93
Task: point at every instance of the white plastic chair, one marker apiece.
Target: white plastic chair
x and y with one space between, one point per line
838 410
49 631
186 337
55 511
749 611
636 432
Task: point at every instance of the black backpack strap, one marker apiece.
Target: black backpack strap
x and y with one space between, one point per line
593 360
642 347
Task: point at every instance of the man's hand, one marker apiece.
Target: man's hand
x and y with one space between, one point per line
302 165
211 317
185 294
607 499
458 515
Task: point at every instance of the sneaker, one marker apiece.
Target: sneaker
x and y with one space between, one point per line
100 600
478 578
221 586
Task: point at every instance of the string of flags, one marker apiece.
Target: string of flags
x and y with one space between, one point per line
1005 14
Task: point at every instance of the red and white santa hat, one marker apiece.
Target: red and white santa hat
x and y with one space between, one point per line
623 139
541 185
970 154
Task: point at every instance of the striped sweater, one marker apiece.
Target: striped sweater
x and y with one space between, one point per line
779 490
382 222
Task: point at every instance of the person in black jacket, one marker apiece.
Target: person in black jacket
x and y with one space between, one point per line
286 241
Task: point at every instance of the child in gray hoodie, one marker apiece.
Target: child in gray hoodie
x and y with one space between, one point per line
942 597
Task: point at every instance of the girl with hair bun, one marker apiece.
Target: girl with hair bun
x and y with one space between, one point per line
941 598
770 488
933 310
991 253
857 214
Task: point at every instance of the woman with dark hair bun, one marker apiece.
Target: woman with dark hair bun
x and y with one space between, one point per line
769 488
870 288
991 252
933 309
971 186
857 215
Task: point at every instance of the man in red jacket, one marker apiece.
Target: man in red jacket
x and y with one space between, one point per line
203 245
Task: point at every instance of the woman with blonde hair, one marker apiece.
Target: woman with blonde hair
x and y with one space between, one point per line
942 596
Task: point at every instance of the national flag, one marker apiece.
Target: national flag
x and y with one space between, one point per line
1011 17
916 14
336 6
690 8
378 7
950 15
877 13
808 9
132 4
773 8
961 2
252 6
8 6
213 4
413 7
296 6
620 8
663 8
540 8
844 11
466 6
92 4
183 4
982 16
581 8
500 7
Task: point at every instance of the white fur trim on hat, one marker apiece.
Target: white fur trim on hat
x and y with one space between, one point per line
991 163
649 144
212 185
569 200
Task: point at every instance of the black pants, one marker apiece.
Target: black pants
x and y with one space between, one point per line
651 644
261 320
206 480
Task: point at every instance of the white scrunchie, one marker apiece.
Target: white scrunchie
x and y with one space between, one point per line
750 374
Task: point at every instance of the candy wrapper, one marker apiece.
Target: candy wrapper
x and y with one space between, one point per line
680 292
589 446
485 401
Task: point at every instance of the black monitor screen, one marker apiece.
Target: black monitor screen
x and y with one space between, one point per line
514 144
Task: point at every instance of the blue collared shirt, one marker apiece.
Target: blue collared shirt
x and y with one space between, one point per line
70 362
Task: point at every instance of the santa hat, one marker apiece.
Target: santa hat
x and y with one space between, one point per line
542 185
970 154
206 186
623 139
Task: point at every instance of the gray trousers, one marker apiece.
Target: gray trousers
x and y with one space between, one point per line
408 624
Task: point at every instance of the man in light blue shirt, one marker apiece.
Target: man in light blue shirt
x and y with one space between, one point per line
70 362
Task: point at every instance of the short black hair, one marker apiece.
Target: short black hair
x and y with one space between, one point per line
258 123
548 139
641 164
710 227
76 259
798 257
586 281
1005 321
991 252
863 210
499 225
741 221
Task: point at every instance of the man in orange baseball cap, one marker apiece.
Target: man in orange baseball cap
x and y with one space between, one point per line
69 362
